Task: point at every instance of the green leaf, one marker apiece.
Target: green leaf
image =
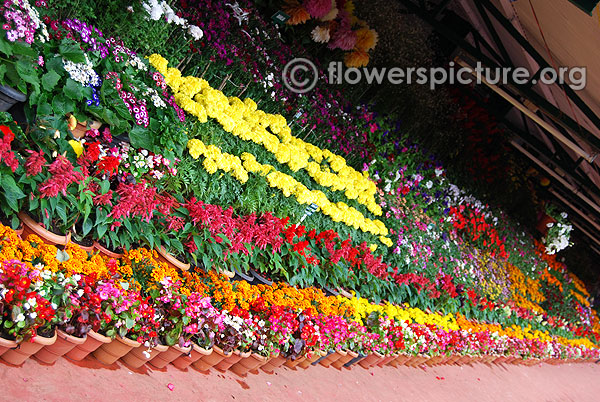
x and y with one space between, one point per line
2 71
12 193
5 46
87 226
28 74
71 51
49 80
73 90
59 106
141 138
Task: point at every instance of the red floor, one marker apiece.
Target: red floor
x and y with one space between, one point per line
90 381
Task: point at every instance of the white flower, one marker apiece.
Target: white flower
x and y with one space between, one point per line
33 315
549 225
20 318
564 215
196 32
429 184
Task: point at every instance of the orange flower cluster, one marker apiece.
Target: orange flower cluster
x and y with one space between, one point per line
525 291
548 277
242 294
35 253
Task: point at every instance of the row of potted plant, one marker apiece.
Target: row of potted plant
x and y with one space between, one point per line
76 57
137 309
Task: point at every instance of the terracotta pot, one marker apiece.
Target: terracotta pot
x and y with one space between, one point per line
273 364
64 344
89 249
332 358
26 349
6 344
314 356
136 358
108 353
30 226
106 252
93 341
293 363
166 357
227 273
387 359
433 361
235 357
19 230
354 362
419 360
399 360
370 360
207 361
168 258
196 352
543 222
252 362
96 124
79 130
339 363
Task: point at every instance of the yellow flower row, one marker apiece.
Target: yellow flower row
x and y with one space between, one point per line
245 121
239 168
363 308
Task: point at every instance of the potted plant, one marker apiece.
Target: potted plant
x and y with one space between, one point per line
26 314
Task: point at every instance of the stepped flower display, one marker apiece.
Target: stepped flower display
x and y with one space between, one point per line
153 175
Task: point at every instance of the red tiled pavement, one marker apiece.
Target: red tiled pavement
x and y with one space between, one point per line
90 381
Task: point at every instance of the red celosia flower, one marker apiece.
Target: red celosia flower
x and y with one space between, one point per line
62 174
35 162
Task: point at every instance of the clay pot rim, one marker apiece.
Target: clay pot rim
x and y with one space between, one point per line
106 251
40 231
160 348
201 350
8 343
71 338
221 352
185 350
172 260
99 337
260 357
128 342
42 340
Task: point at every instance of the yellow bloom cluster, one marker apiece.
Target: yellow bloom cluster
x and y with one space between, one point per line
363 308
338 212
245 121
215 160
